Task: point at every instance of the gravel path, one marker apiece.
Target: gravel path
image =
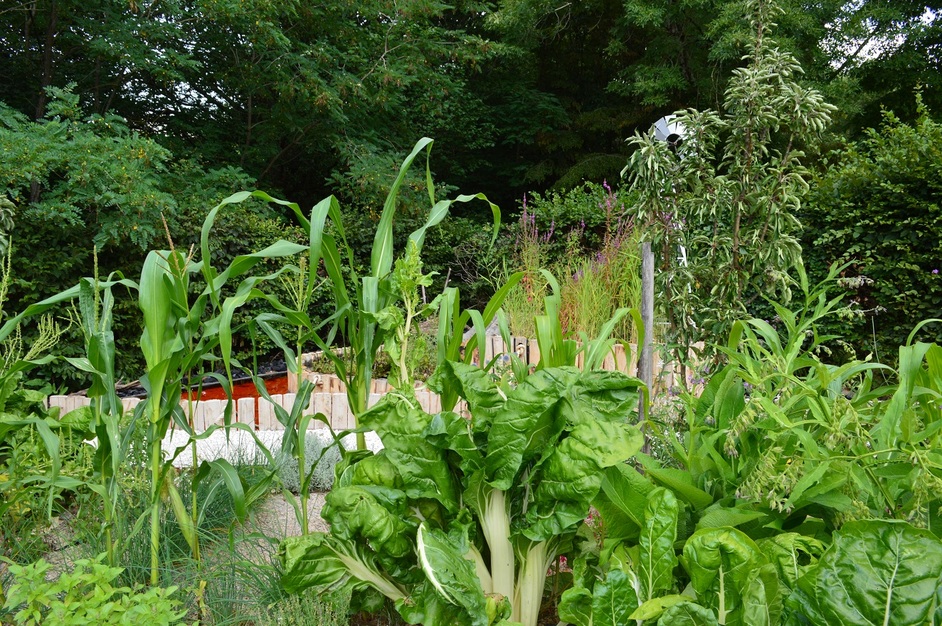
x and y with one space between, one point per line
276 517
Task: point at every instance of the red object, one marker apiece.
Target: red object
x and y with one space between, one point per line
242 390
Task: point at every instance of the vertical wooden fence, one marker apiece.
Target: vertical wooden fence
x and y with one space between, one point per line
330 398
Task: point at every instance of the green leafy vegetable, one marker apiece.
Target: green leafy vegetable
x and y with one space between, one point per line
657 562
875 572
526 467
687 614
721 563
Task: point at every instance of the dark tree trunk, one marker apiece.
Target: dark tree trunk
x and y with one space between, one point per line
48 52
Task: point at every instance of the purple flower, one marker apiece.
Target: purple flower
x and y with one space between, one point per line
935 271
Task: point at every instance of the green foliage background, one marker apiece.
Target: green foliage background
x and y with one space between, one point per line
119 112
877 207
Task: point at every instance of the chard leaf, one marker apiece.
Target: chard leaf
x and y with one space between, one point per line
622 501
371 513
376 469
875 572
450 431
426 606
575 606
451 575
618 526
527 423
328 564
762 600
657 562
571 475
423 467
721 563
603 395
687 614
718 515
655 607
613 599
792 554
474 385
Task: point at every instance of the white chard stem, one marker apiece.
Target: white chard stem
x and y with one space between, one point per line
497 533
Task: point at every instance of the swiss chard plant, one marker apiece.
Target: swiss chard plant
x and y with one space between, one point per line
457 519
627 571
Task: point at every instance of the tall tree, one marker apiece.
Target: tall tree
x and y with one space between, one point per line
617 65
725 201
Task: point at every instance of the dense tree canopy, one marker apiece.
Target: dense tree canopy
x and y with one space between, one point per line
519 93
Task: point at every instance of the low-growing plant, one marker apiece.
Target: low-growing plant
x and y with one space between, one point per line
303 609
321 456
86 595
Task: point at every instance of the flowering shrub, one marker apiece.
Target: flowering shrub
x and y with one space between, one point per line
597 259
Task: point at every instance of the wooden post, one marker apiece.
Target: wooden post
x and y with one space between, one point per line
646 358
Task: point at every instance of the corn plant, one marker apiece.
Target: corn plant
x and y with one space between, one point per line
362 298
106 412
358 298
178 337
452 322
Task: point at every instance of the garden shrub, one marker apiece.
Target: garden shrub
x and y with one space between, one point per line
878 208
84 182
584 208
